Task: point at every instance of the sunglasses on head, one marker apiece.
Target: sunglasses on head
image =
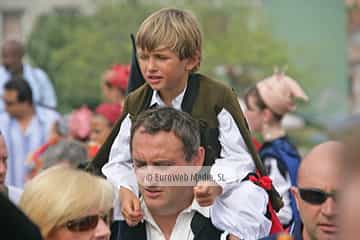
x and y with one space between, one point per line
86 223
315 196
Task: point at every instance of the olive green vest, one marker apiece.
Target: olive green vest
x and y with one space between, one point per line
204 99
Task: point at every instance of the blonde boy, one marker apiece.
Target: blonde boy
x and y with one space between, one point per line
169 51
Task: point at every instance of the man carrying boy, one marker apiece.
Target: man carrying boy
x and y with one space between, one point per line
164 140
169 50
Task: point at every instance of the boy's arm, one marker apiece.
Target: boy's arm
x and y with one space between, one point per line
119 169
235 162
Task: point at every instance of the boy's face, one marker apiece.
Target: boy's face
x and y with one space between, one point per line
164 70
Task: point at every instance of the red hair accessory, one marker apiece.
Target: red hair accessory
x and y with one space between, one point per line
110 111
118 76
79 123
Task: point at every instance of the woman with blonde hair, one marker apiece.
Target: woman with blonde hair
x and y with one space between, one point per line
69 204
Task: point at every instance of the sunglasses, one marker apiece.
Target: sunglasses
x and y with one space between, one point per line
86 223
315 196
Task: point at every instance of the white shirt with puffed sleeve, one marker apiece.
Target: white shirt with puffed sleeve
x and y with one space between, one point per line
235 163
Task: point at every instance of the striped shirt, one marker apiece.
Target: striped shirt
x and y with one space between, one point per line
20 143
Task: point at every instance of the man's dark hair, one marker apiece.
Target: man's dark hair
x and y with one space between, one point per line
169 119
22 88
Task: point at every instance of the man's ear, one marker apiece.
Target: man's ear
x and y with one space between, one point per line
295 193
199 157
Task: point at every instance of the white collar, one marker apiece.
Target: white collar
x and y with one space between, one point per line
175 103
194 207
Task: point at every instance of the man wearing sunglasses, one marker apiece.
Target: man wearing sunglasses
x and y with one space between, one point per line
318 184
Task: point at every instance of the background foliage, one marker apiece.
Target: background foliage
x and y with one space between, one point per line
75 49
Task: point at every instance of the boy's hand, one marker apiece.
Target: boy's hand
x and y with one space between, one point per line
130 207
232 237
206 192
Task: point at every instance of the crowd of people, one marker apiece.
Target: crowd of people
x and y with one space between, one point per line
89 174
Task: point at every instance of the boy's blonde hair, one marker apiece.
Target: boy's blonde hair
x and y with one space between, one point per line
60 194
171 28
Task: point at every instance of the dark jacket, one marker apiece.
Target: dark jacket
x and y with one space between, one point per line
200 226
14 224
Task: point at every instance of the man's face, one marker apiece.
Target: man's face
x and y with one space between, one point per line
320 220
3 162
12 105
11 58
162 149
164 71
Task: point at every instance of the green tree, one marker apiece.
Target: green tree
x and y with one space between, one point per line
75 50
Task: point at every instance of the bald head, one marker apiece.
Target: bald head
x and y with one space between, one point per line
323 160
12 53
14 46
319 173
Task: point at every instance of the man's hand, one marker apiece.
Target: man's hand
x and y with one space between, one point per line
206 193
130 207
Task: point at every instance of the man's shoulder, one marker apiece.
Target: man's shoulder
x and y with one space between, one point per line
47 114
36 71
2 69
14 194
4 117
